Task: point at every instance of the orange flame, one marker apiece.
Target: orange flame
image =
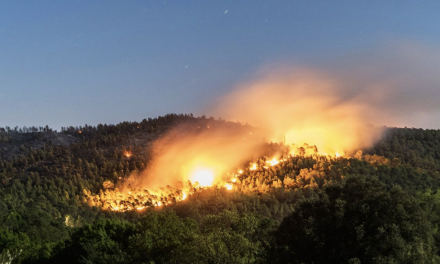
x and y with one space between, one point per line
299 108
273 162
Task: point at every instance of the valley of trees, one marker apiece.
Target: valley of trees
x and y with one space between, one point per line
380 206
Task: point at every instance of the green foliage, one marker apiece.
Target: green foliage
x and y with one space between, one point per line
357 220
380 207
163 237
13 246
231 238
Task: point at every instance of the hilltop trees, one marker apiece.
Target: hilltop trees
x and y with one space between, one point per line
383 206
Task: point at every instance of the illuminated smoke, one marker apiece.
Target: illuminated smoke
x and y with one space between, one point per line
201 151
303 106
327 111
303 109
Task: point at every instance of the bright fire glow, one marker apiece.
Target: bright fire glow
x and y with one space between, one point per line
228 186
273 162
299 107
200 177
205 177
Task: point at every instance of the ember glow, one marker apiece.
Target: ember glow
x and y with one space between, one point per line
273 162
140 199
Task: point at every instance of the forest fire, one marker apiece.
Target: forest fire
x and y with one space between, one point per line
200 178
199 154
304 106
204 177
136 199
273 162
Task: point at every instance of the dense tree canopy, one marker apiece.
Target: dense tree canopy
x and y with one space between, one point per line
380 206
357 221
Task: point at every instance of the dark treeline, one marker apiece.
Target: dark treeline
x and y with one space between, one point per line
380 207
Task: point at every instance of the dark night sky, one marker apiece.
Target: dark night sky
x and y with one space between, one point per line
87 62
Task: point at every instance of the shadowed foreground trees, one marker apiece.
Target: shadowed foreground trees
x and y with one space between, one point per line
357 221
159 237
166 238
51 208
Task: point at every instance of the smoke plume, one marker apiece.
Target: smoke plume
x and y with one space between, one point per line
332 107
302 106
200 150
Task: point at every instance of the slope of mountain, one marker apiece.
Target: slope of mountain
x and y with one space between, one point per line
379 206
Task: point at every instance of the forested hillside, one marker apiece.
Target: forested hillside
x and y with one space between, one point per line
380 206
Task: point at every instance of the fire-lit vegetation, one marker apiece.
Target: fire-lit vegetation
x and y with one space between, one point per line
91 197
259 177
